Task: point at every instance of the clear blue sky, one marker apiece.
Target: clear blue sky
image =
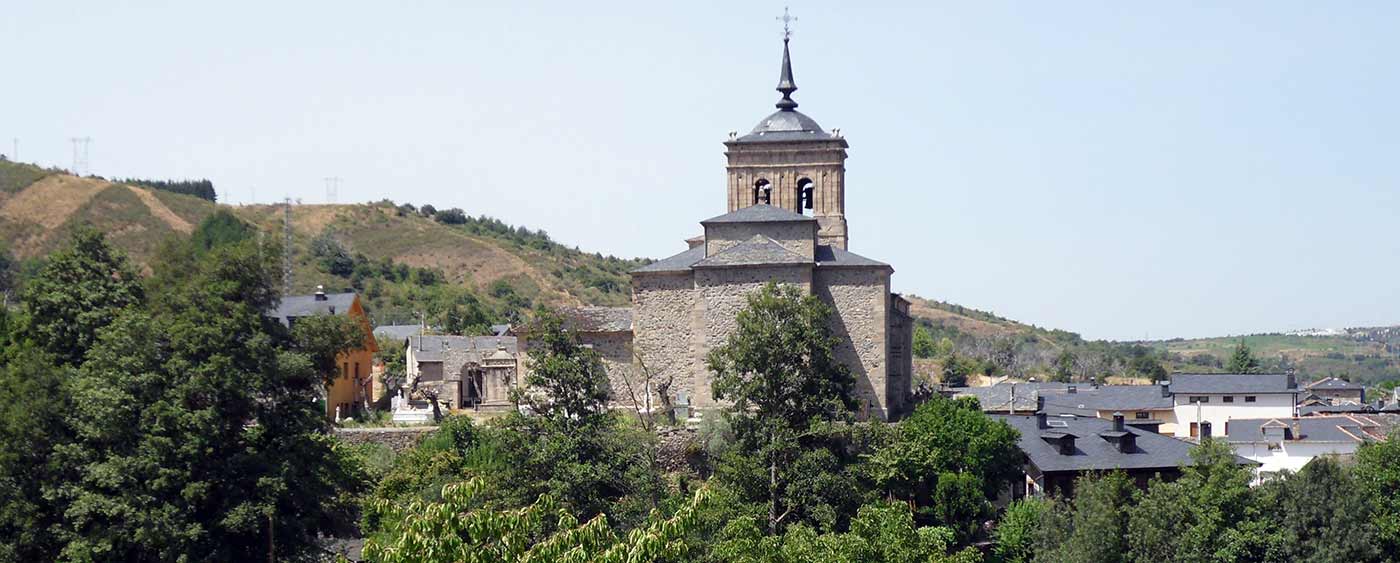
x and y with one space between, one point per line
1117 169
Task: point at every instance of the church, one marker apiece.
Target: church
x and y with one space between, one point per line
786 197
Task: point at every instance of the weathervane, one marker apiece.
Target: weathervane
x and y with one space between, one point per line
786 19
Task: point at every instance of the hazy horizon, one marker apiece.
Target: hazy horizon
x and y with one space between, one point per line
1120 171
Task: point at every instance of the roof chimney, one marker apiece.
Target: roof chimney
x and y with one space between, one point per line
1166 388
1117 422
320 293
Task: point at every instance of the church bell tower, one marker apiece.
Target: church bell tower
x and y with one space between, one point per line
788 161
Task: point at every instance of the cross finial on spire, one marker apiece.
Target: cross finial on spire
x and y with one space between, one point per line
786 18
786 84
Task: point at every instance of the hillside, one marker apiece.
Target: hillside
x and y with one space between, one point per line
473 261
469 271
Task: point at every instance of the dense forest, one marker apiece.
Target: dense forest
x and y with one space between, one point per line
202 189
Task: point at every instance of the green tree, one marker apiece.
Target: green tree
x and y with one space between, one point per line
924 346
1147 365
948 459
1063 367
322 338
33 403
7 273
1323 514
458 529
957 368
880 532
570 382
1242 360
1377 472
1191 518
196 432
80 290
220 228
1015 535
1095 529
779 375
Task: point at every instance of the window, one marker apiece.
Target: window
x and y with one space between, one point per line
762 192
1229 398
1195 430
1140 415
804 194
1249 398
1199 399
357 371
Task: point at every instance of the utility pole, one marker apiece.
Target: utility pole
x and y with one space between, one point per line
332 188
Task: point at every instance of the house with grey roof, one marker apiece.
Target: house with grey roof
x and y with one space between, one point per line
1289 443
1338 391
1060 449
1214 399
355 384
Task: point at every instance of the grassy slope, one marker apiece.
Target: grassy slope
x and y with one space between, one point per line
139 219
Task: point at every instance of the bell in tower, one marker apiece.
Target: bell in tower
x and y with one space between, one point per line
788 161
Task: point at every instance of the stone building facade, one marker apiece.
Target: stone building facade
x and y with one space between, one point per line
685 305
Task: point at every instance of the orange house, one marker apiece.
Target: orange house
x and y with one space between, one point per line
354 384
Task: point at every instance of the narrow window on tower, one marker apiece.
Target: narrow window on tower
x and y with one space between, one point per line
804 194
762 192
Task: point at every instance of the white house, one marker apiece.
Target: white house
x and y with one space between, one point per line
1285 443
1205 404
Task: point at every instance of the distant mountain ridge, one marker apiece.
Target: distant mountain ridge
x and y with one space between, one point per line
504 267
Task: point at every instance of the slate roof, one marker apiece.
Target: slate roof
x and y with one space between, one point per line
760 213
786 125
293 306
1316 429
757 251
1335 384
397 332
454 351
1092 452
500 330
678 263
1112 398
1306 410
598 319
1222 383
830 256
997 398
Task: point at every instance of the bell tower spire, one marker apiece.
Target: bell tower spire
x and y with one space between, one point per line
786 85
789 161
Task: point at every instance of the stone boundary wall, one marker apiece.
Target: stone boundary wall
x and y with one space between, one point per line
396 438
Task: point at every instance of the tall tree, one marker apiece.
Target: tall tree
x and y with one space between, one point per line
1097 525
571 382
778 372
80 290
196 432
1242 360
1377 472
1190 519
1323 514
33 403
944 448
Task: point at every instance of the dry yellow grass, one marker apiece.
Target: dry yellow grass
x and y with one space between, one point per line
160 211
49 203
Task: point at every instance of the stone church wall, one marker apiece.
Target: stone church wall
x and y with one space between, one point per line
723 293
663 313
615 349
859 297
796 236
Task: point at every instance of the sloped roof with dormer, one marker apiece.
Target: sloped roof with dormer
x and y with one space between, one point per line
1092 452
293 306
1316 429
